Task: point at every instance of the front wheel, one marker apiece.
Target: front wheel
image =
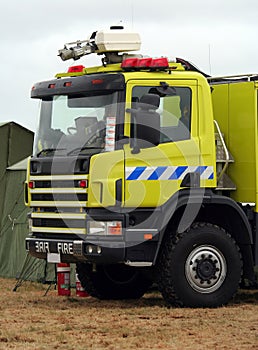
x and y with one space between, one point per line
116 281
200 268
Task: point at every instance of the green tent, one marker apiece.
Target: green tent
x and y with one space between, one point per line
15 145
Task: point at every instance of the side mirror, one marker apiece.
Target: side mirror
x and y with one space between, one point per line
145 124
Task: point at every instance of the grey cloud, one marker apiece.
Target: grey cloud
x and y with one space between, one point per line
215 34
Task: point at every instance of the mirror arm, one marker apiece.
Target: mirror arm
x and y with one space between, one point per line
135 147
134 144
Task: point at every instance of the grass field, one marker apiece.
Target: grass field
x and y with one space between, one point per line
30 320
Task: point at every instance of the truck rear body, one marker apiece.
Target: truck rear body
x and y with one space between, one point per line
235 109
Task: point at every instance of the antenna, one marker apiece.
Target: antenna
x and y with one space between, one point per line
210 58
132 11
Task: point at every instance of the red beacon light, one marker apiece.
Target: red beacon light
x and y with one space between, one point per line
130 63
76 69
144 62
134 63
159 63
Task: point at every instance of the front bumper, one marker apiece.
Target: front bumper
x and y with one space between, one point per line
76 250
132 249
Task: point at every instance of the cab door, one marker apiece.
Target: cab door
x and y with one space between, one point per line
155 173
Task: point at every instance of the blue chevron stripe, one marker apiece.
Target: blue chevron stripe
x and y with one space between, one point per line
136 173
157 173
178 172
167 172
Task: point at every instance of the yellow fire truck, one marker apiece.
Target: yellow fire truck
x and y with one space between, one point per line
145 170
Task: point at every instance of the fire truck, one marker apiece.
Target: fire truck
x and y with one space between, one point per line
144 171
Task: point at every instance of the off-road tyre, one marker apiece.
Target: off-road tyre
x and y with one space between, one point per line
201 267
112 281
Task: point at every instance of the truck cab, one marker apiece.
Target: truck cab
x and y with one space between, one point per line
124 181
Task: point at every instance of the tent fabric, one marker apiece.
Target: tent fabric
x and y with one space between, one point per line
14 227
22 165
15 145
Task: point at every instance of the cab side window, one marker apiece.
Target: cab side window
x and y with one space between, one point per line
174 110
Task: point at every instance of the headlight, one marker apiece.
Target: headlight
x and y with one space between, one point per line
105 228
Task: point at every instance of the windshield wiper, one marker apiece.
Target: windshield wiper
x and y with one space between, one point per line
49 150
79 149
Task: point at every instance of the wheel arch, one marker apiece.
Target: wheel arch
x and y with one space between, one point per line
205 206
226 213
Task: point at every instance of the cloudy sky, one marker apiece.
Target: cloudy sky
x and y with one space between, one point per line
219 36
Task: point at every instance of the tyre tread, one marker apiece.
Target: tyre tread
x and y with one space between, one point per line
165 282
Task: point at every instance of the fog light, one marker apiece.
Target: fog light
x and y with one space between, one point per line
89 249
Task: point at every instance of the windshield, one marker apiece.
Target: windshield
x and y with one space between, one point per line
78 123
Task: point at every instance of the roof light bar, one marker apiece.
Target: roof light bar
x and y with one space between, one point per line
135 63
129 63
145 62
159 63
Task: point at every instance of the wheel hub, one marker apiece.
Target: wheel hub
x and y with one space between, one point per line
205 269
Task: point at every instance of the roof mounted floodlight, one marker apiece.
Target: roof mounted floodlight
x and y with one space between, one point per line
75 50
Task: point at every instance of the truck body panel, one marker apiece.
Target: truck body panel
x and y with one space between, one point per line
235 109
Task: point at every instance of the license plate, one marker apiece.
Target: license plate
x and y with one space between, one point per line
53 258
65 248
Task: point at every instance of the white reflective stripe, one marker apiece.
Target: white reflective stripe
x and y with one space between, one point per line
167 173
146 173
59 230
129 171
63 269
58 190
61 204
207 173
58 216
192 168
57 177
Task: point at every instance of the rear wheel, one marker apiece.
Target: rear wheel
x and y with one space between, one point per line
200 268
112 281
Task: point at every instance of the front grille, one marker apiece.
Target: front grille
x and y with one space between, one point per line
57 184
49 197
58 204
65 223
